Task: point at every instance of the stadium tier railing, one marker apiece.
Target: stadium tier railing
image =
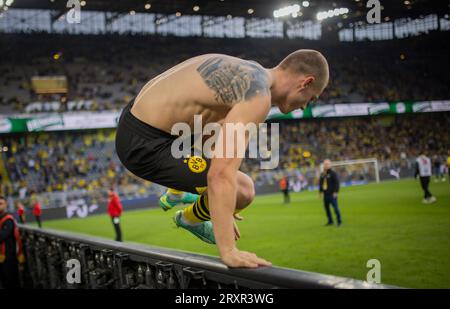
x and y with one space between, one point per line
53 259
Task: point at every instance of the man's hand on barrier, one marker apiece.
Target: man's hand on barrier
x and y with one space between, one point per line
236 258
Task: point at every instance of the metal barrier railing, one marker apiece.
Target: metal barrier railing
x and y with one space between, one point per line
106 264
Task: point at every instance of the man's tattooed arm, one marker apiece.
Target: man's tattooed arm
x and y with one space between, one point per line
232 81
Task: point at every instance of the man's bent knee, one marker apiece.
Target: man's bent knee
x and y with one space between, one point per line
246 191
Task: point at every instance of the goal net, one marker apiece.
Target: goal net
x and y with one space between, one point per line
356 171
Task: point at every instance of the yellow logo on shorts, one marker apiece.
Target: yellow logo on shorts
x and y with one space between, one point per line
197 164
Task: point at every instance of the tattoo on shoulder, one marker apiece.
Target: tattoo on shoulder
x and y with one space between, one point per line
234 81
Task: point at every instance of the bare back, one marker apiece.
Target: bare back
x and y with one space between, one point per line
207 85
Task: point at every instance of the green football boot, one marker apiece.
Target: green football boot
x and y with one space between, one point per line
168 202
204 230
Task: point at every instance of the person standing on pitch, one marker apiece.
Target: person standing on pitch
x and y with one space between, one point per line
37 212
115 211
329 188
20 212
284 187
423 170
438 174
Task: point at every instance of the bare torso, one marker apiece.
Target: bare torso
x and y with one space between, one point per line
208 85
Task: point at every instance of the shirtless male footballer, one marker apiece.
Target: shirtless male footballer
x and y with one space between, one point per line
224 90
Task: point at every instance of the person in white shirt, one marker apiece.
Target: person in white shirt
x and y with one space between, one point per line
423 170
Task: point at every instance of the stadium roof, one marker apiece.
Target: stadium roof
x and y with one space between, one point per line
248 8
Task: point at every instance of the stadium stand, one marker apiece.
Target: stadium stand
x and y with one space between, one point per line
108 73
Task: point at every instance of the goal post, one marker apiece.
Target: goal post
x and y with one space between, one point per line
371 162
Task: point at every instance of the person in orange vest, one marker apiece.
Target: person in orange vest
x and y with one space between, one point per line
284 187
115 211
37 212
20 212
11 253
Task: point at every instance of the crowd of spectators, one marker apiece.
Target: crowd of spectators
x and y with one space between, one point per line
86 160
64 161
395 141
110 70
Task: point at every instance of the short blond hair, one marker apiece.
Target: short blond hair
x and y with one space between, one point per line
308 62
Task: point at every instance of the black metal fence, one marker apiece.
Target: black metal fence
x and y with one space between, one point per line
105 264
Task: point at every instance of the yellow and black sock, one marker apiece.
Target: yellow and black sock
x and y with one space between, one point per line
199 211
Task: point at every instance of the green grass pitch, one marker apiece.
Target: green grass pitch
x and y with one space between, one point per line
384 221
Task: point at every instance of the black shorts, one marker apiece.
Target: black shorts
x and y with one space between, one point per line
146 152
